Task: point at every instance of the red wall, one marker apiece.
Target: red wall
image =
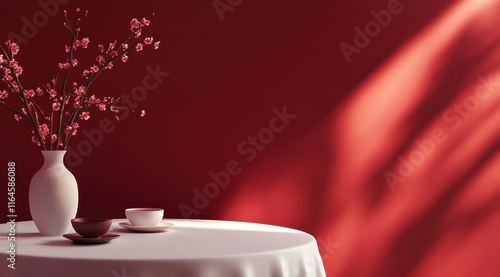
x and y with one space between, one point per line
389 160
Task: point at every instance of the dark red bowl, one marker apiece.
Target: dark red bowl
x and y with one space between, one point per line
91 227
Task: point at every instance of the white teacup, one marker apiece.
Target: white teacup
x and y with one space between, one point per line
144 216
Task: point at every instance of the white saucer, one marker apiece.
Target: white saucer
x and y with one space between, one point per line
161 227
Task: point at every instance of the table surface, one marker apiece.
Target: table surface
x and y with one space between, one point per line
189 248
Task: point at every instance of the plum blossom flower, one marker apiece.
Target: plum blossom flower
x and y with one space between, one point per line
111 46
85 115
109 66
138 47
102 107
43 129
94 69
29 93
135 24
85 42
68 130
80 90
17 117
63 65
56 106
14 48
124 58
39 91
52 93
148 40
138 33
3 95
156 45
143 113
53 138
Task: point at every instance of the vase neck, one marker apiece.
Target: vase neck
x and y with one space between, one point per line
53 156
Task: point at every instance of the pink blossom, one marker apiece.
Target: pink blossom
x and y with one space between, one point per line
2 60
56 106
86 73
135 24
68 130
109 66
29 93
85 116
94 69
100 59
67 48
43 130
145 22
143 113
35 140
3 95
76 43
86 13
138 33
113 54
124 58
112 46
92 99
157 45
19 70
39 91
138 47
66 113
14 48
17 117
124 46
148 40
85 42
24 111
101 48
102 107
14 85
63 65
74 62
75 125
53 138
77 10
76 103
52 93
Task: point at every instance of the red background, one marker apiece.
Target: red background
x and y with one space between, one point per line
326 172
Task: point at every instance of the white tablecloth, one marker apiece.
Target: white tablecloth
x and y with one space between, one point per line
191 248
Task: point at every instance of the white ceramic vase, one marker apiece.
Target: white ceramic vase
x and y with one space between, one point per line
53 195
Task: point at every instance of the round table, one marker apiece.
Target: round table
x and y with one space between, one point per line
190 248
